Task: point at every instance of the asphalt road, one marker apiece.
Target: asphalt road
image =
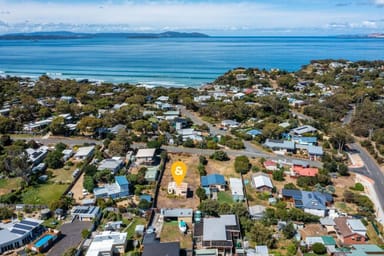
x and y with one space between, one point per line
371 170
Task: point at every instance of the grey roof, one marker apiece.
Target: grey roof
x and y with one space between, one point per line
261 180
278 144
312 150
177 212
110 164
215 228
262 250
162 249
303 129
356 225
7 236
256 209
327 221
146 153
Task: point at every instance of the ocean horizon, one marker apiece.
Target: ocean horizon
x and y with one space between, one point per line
174 62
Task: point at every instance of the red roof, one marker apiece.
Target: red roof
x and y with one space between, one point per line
248 91
269 163
305 171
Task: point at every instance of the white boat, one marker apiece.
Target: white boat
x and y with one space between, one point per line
182 226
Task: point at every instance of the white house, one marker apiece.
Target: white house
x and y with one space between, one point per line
84 152
108 243
236 186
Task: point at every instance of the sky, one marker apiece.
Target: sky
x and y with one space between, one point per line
214 17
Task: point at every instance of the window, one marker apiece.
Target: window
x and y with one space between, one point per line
358 238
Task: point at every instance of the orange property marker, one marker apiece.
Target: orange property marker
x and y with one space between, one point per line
179 170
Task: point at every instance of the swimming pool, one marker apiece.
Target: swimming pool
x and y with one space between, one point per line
42 241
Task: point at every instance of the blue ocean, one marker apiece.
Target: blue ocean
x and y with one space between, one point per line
174 61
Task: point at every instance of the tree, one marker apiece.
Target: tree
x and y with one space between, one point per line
89 124
144 204
200 192
340 137
203 160
57 126
85 233
6 124
88 183
219 156
262 234
242 164
289 230
54 159
201 169
319 248
210 207
278 175
116 148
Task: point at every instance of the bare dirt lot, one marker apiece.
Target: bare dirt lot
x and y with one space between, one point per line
313 230
192 178
77 189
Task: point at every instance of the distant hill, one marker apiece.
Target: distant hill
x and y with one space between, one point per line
73 35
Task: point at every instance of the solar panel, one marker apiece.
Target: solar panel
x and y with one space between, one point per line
19 226
30 223
20 232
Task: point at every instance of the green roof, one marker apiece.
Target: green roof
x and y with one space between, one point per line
206 252
365 250
328 240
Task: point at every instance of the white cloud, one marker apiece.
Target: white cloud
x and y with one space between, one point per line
379 2
167 15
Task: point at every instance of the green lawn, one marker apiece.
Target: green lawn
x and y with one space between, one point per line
132 225
9 183
63 175
224 197
43 194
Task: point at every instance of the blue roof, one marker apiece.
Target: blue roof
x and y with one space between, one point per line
254 132
121 180
308 199
147 198
212 179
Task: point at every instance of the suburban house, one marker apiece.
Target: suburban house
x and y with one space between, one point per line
162 249
314 152
36 156
362 250
213 181
280 146
262 182
86 213
305 129
230 123
256 212
108 243
84 153
254 132
145 155
67 153
17 233
217 233
113 164
350 231
311 202
325 240
190 133
270 165
184 214
329 224
178 190
298 171
237 190
119 189
304 140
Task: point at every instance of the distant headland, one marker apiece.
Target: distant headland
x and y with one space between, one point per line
73 35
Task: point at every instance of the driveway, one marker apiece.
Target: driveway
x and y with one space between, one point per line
71 237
